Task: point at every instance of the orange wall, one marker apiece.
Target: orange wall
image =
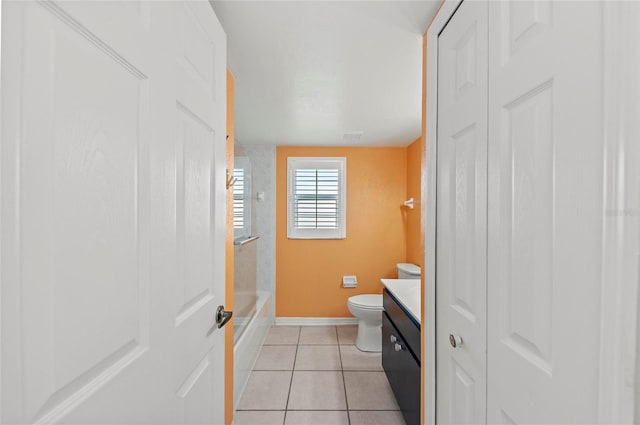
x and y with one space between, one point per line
415 253
309 272
228 336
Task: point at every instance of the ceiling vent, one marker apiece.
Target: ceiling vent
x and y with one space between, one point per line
352 136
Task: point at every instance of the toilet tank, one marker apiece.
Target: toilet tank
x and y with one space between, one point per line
408 271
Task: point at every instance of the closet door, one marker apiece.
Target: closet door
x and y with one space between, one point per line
545 200
461 217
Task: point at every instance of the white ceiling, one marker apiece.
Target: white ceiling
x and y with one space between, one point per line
307 72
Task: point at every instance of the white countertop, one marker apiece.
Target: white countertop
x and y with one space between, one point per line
407 291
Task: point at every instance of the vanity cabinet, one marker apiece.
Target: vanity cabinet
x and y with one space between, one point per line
401 357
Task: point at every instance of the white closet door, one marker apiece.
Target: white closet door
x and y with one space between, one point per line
461 216
90 331
545 201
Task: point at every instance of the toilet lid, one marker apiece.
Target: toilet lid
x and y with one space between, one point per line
369 301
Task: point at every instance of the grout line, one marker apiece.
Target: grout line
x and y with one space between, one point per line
325 410
318 410
293 368
318 370
344 384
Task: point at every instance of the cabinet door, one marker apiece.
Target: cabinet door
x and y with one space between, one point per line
402 370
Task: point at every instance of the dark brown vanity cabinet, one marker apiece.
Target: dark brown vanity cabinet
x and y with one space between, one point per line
401 357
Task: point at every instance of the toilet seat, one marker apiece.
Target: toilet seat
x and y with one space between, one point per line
367 301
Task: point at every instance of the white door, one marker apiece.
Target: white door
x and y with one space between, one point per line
461 217
545 211
100 321
198 116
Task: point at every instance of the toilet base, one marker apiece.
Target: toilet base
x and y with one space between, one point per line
369 337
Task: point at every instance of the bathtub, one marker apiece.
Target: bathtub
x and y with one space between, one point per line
248 344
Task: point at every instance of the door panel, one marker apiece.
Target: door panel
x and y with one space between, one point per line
463 395
461 216
200 120
528 312
86 267
196 393
73 253
195 160
523 24
545 186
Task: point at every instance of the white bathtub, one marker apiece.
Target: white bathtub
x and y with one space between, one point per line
248 345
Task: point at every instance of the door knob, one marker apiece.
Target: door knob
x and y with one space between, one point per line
222 317
455 340
393 339
397 347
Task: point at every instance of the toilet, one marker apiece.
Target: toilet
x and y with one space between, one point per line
367 308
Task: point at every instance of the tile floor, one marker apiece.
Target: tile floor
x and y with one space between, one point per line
315 375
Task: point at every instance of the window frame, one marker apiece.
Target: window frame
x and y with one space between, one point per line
297 163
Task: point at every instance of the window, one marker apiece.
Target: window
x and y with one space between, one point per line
242 200
316 204
238 198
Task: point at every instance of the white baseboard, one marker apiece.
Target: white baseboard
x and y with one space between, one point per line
315 321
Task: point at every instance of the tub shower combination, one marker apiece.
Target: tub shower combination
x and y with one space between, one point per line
253 313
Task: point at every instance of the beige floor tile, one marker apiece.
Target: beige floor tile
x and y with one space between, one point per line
316 417
317 391
347 334
380 417
318 335
354 359
369 391
258 417
276 357
283 335
266 391
318 357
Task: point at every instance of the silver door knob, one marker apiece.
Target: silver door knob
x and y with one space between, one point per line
393 339
222 317
455 340
397 347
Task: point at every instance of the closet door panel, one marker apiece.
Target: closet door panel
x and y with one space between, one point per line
545 177
461 216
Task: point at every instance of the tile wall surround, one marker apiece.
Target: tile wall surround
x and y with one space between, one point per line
263 167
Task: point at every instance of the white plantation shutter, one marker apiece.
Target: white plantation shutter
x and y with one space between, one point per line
242 197
238 199
316 198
